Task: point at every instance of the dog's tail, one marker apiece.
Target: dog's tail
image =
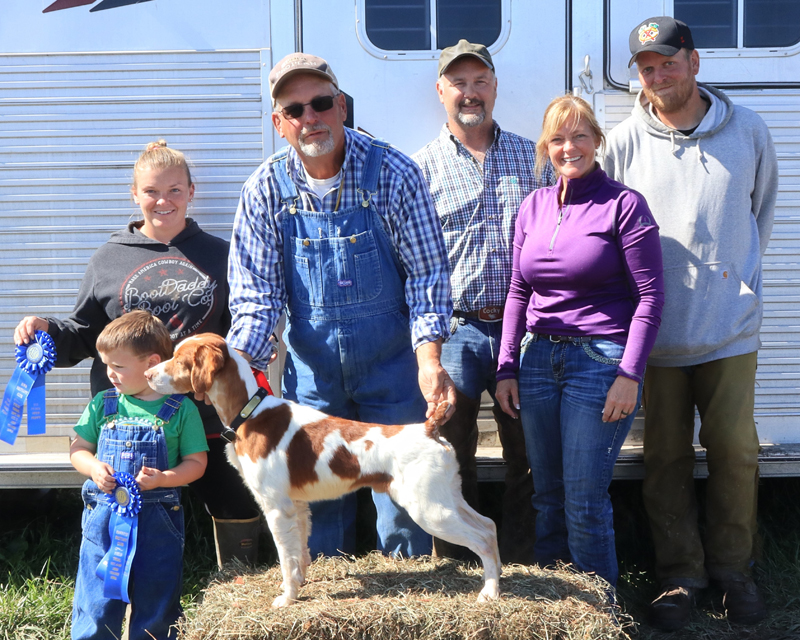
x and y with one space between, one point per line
433 423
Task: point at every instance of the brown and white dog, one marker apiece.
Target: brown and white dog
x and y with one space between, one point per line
290 455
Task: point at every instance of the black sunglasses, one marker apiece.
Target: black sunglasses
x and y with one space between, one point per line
318 104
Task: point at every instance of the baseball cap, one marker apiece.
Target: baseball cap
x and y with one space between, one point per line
464 48
662 34
296 63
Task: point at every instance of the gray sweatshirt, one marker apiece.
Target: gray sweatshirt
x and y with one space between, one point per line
713 196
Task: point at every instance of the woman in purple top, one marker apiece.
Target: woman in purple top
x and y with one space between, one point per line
581 316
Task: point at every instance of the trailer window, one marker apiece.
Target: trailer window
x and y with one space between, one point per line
719 24
394 25
752 43
426 25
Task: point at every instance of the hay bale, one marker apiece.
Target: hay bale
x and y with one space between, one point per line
379 598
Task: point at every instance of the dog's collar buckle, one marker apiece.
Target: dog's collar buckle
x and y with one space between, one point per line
229 433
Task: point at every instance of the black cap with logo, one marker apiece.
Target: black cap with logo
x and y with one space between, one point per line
662 34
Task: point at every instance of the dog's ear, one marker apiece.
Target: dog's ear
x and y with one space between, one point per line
208 360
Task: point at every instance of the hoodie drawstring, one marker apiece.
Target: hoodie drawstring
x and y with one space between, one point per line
674 150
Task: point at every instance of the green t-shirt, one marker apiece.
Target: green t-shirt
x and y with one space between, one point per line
184 432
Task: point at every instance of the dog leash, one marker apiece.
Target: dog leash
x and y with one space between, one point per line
229 433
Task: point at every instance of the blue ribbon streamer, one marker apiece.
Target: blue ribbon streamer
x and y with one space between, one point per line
34 360
123 527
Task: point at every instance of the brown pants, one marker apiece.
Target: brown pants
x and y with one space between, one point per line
723 392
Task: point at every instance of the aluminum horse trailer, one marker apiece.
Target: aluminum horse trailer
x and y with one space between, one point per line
84 84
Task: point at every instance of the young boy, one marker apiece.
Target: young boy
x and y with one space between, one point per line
157 439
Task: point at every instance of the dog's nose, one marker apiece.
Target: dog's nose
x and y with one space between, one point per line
149 374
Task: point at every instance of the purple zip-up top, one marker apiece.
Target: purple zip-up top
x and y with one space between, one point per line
589 268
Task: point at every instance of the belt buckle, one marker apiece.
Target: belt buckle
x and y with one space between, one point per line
556 338
491 314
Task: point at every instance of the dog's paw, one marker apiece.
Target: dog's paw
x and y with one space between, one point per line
488 593
282 601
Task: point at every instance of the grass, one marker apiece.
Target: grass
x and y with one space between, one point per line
37 566
777 571
40 537
39 541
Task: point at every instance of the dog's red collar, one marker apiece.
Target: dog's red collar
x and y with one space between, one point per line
229 433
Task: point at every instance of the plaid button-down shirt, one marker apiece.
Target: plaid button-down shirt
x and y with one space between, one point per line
256 272
478 207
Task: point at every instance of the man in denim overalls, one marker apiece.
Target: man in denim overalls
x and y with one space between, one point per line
339 230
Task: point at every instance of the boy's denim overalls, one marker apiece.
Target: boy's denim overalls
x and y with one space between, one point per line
349 341
128 444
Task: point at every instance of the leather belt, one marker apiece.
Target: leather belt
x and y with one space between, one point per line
487 314
552 338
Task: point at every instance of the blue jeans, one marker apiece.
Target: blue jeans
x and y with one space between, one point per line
470 356
572 452
156 574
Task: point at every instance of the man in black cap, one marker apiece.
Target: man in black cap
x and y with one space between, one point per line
479 175
709 172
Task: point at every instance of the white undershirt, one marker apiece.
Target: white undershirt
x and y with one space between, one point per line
323 187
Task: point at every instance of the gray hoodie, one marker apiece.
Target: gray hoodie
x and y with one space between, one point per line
713 195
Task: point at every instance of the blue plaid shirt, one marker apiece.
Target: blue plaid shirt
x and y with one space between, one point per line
255 268
478 207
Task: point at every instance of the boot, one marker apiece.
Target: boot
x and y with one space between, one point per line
461 431
237 540
743 602
672 608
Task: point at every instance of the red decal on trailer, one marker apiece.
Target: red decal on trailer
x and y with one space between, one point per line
58 5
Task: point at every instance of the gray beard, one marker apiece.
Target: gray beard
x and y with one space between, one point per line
318 147
471 119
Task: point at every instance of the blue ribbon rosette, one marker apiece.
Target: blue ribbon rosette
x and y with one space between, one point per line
34 360
115 567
